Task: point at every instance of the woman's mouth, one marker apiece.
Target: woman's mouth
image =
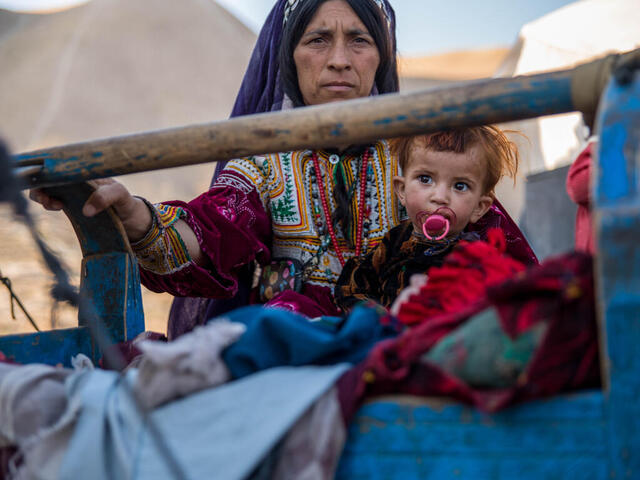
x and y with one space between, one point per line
338 86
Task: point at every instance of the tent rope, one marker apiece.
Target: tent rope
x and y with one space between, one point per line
13 299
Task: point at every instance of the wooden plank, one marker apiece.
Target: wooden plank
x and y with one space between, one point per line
112 284
588 404
340 123
459 467
101 233
350 122
563 437
535 427
617 221
55 347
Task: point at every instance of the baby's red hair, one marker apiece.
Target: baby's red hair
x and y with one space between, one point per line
500 153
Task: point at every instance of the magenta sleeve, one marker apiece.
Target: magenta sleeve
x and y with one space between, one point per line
233 229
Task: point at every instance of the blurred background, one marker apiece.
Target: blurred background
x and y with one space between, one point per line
79 70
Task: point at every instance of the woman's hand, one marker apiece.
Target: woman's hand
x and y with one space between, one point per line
132 211
49 203
416 282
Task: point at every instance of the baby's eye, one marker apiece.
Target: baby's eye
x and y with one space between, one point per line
461 186
426 179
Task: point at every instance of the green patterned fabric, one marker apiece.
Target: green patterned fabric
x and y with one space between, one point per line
481 354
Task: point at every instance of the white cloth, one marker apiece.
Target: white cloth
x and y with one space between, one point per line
221 432
37 417
190 363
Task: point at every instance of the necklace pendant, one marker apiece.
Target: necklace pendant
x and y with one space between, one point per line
334 159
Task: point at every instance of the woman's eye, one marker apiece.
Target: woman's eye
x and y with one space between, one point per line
361 40
425 179
461 186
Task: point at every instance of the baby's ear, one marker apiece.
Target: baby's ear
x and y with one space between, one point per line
398 188
484 204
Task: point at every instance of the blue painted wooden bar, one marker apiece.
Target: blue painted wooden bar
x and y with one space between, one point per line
109 279
594 435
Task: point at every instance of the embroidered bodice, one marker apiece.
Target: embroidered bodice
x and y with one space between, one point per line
286 185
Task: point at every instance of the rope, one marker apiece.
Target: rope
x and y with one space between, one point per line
13 299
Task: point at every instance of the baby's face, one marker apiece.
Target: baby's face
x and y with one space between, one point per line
447 182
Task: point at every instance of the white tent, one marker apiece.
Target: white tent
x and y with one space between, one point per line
561 39
106 68
570 35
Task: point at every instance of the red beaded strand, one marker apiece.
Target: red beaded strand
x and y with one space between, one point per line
363 186
361 206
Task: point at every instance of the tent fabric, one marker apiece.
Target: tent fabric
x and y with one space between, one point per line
576 33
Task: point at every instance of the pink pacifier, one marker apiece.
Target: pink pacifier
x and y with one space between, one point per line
434 223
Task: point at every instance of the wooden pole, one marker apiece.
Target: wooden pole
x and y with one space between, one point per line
342 123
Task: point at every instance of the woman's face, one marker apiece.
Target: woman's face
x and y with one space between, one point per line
336 57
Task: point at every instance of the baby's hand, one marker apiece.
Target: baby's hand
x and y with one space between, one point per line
416 282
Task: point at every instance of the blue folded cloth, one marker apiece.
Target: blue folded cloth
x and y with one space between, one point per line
276 337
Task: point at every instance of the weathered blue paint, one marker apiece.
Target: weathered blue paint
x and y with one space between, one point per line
617 214
28 156
407 438
110 281
55 347
96 154
481 467
390 120
617 181
60 167
336 131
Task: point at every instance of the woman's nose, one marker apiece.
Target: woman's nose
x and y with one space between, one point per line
339 58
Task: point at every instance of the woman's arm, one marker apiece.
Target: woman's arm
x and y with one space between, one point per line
133 212
188 249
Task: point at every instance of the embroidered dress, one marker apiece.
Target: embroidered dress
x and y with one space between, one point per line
266 208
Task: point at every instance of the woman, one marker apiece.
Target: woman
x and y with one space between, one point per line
298 214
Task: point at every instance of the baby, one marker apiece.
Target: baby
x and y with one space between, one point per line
447 183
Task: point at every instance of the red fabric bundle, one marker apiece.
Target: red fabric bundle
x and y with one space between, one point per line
463 279
559 293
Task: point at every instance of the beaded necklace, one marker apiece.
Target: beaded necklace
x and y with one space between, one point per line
361 205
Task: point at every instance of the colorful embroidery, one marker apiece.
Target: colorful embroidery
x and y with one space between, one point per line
162 250
283 182
283 209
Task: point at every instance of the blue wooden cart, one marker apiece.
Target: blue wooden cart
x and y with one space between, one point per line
589 435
